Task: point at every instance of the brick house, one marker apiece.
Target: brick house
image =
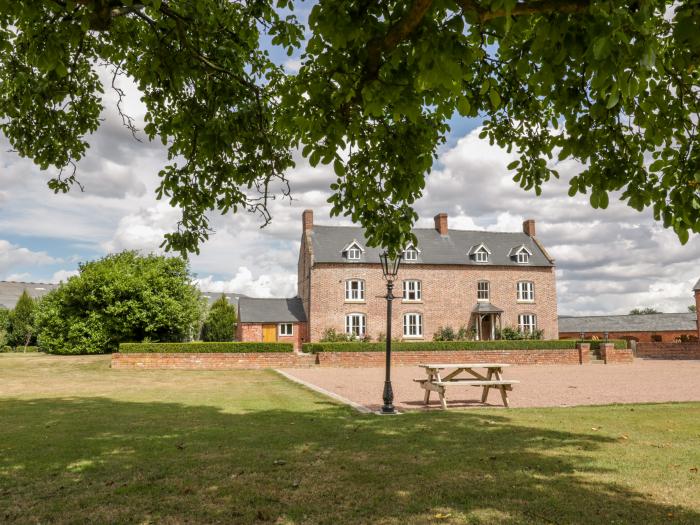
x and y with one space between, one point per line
477 279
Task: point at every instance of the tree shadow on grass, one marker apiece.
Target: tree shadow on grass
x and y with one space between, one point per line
99 460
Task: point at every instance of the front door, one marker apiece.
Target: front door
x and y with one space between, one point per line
269 333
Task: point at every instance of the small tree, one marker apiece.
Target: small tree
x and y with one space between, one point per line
221 321
692 308
22 328
4 327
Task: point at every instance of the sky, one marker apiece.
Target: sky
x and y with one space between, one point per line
607 261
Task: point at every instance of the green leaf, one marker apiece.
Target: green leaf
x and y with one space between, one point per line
513 165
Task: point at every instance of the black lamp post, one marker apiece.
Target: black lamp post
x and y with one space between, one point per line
390 269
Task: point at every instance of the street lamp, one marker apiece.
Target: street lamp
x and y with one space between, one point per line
390 269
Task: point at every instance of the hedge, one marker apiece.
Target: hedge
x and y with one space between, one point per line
430 346
203 348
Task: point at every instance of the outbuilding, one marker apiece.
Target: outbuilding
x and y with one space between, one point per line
271 320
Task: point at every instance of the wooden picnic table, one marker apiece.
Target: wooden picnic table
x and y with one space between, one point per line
465 375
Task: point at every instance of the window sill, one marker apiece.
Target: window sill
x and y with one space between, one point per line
526 302
483 300
355 301
413 337
411 301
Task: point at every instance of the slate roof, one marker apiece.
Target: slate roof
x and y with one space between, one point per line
10 291
254 310
486 308
329 241
629 323
697 285
213 296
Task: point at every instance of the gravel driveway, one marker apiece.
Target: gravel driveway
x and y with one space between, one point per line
540 385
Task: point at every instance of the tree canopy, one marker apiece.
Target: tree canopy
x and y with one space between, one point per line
644 311
614 85
220 325
124 297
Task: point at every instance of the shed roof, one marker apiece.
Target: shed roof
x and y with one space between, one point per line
697 285
453 248
10 291
486 308
254 310
629 323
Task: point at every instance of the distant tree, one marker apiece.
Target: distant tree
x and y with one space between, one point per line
22 328
122 297
644 311
221 321
692 308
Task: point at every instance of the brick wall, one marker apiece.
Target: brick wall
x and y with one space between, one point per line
449 295
645 337
612 355
668 350
516 357
253 332
216 361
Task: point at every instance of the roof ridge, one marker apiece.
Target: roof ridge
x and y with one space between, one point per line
28 282
624 315
429 229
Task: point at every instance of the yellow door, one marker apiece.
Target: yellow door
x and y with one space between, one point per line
269 333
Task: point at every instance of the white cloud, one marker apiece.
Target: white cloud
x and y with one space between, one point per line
13 257
281 284
62 275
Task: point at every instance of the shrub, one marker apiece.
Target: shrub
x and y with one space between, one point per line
447 333
122 297
514 334
22 331
221 321
4 326
203 348
428 346
331 335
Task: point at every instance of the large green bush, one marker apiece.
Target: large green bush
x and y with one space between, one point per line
202 348
221 321
428 346
122 297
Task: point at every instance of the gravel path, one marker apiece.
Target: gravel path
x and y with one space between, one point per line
540 386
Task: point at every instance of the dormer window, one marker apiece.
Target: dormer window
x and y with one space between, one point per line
480 253
411 253
521 254
353 251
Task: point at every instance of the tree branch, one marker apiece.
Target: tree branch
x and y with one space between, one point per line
398 32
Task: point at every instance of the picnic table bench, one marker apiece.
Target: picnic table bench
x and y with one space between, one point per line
465 375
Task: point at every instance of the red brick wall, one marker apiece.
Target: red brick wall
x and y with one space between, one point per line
212 361
668 350
253 332
612 355
697 309
645 337
517 357
449 294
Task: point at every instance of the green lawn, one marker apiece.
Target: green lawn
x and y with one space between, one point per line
80 443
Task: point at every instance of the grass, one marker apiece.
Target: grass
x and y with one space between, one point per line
80 443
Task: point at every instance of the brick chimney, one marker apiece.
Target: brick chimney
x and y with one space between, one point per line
307 220
529 227
441 223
